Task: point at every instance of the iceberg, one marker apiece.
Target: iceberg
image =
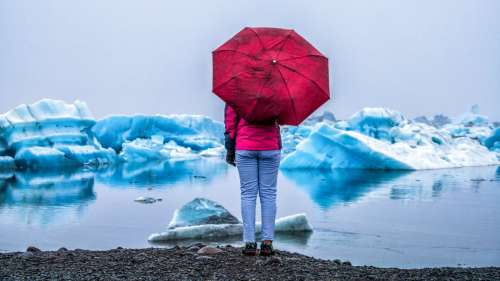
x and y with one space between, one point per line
378 138
51 133
472 118
492 142
205 219
195 132
6 163
142 150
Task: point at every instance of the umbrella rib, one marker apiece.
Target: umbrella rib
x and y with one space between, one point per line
284 42
228 80
289 95
301 74
284 38
258 37
300 57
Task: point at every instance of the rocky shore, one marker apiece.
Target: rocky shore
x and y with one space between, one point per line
200 262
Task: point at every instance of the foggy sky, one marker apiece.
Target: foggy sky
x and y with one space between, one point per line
418 57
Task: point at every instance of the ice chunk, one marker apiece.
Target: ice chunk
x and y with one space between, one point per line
147 200
416 146
142 150
201 211
492 142
290 224
51 133
6 163
473 118
328 148
193 131
376 122
63 155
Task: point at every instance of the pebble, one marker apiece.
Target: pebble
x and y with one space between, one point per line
208 250
273 260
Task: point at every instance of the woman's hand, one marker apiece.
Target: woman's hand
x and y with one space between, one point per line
230 149
230 157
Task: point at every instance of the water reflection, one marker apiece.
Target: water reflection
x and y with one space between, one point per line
42 197
60 196
328 188
162 173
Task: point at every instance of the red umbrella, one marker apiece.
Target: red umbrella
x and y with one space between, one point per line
268 73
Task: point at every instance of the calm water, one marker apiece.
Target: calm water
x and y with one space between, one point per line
407 219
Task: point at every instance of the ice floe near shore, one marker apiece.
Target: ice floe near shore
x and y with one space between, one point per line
205 219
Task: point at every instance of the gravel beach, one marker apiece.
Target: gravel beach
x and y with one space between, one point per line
200 262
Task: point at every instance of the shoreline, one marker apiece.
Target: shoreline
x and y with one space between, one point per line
201 262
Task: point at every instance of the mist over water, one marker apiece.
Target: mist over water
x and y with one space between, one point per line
419 57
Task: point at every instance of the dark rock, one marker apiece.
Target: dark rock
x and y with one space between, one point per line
337 261
62 249
273 260
346 263
33 249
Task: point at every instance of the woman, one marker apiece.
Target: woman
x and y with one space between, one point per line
255 149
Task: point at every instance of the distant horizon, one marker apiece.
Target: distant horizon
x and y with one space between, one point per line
315 113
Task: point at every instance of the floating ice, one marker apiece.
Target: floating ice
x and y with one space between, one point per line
290 224
51 133
142 150
6 163
203 218
191 131
376 122
384 139
201 211
492 142
147 200
472 118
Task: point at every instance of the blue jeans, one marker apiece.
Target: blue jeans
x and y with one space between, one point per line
258 170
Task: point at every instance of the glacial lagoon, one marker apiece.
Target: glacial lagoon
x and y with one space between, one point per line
427 218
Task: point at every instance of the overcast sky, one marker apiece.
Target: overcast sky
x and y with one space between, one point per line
416 56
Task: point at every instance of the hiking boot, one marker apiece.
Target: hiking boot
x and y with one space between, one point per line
250 249
266 249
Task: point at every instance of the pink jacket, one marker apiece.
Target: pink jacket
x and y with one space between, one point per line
251 136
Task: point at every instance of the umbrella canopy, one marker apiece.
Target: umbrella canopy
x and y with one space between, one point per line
270 73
